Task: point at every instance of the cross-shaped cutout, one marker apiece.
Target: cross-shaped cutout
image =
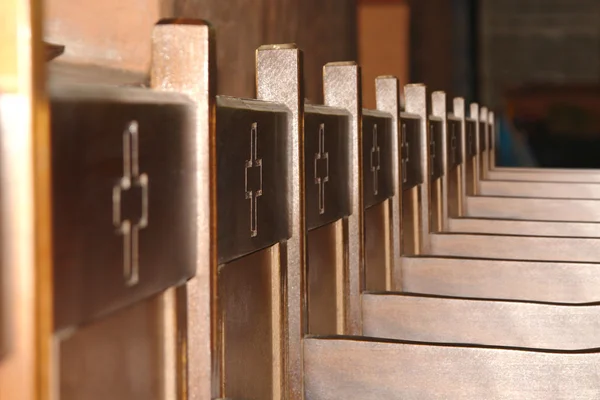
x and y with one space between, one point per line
131 194
253 180
321 168
405 155
432 148
375 161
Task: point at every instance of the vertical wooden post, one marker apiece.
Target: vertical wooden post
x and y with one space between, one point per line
416 103
387 95
26 206
279 79
438 109
193 72
342 88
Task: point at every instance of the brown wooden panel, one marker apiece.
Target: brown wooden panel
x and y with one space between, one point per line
524 227
536 281
344 368
571 190
120 357
544 175
531 208
325 30
477 321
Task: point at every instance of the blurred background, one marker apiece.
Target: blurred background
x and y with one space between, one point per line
536 63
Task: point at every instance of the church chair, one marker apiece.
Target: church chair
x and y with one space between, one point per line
252 296
93 277
429 253
423 208
322 380
409 317
454 189
529 203
363 368
485 186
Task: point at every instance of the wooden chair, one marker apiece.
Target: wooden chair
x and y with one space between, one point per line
190 281
416 367
452 191
251 293
581 207
429 237
514 274
409 317
583 188
103 322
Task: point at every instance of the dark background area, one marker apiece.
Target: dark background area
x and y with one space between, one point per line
536 63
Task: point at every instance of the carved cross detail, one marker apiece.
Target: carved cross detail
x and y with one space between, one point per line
405 154
375 161
321 168
253 180
130 193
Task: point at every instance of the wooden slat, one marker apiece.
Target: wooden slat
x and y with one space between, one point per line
523 280
515 247
572 190
533 209
355 369
524 227
485 322
544 174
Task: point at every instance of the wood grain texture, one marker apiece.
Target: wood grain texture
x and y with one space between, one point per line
326 31
538 209
346 368
522 280
557 190
524 227
543 175
431 43
118 357
477 321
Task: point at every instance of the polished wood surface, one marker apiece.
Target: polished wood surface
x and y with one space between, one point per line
571 190
486 322
361 369
26 203
502 279
488 313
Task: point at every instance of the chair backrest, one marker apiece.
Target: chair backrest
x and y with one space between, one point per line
327 155
122 202
437 155
414 147
379 141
